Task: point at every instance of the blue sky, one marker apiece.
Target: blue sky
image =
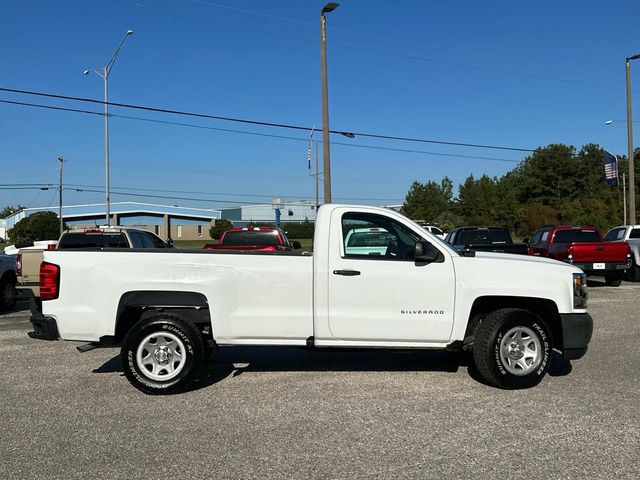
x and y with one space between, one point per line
520 74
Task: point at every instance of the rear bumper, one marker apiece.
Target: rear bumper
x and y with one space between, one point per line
577 329
44 327
609 267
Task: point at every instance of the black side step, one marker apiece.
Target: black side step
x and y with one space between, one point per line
87 347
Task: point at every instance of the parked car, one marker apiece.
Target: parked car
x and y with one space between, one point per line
437 231
7 282
372 241
266 239
168 310
484 239
631 235
39 245
29 257
583 247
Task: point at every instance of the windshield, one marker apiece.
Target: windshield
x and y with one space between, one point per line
92 240
483 236
571 236
251 237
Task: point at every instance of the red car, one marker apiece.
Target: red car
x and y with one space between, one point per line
583 246
267 239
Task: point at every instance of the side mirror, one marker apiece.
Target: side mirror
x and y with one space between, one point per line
425 252
169 243
525 240
296 245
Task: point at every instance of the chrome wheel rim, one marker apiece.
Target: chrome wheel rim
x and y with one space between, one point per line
520 351
161 356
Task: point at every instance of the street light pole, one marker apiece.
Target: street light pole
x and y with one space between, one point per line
326 155
104 73
632 180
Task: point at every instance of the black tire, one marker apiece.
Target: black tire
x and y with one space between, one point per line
175 361
633 273
492 351
7 293
613 280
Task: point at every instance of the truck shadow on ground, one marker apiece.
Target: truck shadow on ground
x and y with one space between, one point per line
234 361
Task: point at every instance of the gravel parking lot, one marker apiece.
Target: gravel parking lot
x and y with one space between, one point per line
287 412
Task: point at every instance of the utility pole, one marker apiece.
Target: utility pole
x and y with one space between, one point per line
61 162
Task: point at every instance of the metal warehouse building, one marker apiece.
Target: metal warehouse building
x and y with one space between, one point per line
182 222
291 212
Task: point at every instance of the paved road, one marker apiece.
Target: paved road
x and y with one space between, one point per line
285 413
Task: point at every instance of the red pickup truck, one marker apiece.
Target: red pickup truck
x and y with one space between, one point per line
254 238
583 247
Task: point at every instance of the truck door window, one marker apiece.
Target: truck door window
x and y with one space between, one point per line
136 240
154 241
376 237
615 234
635 233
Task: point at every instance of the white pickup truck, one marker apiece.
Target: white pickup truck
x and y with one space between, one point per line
631 235
170 309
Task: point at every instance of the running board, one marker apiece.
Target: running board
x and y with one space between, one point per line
87 347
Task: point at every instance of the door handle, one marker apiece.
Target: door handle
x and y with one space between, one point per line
346 273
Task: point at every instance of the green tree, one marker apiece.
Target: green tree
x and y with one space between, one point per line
536 215
219 227
10 210
428 201
299 230
38 226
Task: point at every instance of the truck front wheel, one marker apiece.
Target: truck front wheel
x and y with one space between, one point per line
7 293
162 354
512 348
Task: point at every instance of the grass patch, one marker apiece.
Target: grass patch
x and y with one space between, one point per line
193 243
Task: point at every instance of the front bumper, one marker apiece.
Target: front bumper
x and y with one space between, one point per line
577 329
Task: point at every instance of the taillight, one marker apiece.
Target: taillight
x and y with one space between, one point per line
19 265
51 246
49 281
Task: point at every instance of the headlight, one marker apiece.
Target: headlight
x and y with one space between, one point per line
580 294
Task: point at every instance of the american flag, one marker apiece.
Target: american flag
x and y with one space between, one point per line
611 168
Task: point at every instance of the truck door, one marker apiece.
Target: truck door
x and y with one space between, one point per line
377 291
538 243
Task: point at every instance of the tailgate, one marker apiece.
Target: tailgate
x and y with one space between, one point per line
604 252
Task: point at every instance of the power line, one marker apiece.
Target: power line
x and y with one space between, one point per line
223 194
96 189
204 127
258 122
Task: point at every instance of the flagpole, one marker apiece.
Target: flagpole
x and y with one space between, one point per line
624 197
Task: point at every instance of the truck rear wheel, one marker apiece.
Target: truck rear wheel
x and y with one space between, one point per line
162 354
614 280
633 273
512 348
